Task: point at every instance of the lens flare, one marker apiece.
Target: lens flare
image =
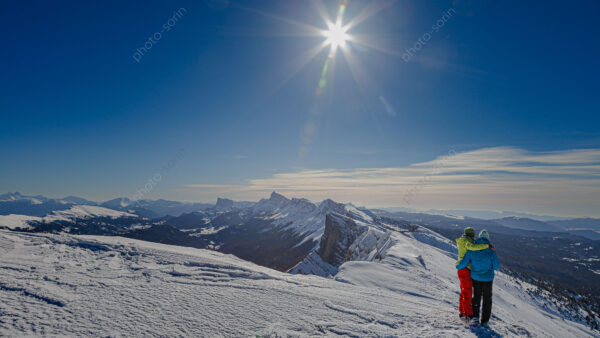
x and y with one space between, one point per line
336 36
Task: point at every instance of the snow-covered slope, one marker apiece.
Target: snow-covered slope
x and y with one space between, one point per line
17 221
74 213
422 264
112 286
85 211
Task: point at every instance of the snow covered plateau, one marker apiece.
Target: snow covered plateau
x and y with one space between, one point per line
83 285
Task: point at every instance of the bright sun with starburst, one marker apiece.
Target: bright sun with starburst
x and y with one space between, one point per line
340 36
336 35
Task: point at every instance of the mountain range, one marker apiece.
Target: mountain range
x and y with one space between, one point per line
383 276
17 203
301 237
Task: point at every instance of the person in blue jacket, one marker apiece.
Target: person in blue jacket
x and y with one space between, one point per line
483 264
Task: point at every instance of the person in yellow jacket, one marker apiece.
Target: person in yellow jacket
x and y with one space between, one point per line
464 243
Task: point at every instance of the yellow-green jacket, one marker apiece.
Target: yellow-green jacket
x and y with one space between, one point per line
465 243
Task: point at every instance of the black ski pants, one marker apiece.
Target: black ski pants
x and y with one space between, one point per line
482 290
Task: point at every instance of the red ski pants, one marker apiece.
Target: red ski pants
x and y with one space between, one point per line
466 292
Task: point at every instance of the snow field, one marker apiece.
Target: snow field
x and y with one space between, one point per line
112 286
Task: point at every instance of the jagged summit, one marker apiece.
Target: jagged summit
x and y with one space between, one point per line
278 197
300 200
274 202
303 203
330 205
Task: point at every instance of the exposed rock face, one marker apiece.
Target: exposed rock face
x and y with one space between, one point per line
258 241
340 233
224 204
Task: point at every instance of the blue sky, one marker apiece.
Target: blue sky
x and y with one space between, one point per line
224 103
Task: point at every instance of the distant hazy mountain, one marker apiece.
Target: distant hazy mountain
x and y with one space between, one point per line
19 204
78 219
78 200
154 208
117 203
586 227
225 204
508 225
17 196
528 224
16 203
578 223
488 214
481 214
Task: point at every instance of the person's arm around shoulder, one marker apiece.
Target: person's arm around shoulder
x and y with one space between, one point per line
476 246
495 261
464 262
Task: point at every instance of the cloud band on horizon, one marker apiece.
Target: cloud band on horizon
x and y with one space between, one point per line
563 183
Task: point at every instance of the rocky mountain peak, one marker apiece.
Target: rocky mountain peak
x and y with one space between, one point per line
224 203
277 197
340 233
329 205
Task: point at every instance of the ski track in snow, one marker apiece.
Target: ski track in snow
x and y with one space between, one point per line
113 286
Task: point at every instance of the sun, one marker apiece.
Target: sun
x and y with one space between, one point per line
336 35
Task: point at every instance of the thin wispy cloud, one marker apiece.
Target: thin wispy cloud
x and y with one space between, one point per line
501 178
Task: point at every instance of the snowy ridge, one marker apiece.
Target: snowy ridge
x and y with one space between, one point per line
85 211
349 234
69 215
371 244
302 217
17 221
112 286
313 264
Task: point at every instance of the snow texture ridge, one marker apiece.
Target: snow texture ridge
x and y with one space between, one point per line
111 286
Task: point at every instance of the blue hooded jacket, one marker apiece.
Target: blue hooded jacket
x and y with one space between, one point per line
483 263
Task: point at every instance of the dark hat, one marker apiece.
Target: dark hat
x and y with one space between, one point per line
470 232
